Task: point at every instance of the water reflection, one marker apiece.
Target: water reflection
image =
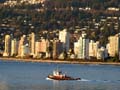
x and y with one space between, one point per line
58 85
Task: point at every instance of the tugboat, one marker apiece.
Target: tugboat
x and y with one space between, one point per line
58 75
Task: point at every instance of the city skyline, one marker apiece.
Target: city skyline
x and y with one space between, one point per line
84 48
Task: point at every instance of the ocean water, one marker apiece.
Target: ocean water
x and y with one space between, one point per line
32 76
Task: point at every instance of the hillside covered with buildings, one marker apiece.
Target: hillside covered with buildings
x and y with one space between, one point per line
60 29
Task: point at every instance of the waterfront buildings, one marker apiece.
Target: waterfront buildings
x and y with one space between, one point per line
58 48
97 51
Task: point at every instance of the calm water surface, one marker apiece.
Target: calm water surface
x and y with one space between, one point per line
32 76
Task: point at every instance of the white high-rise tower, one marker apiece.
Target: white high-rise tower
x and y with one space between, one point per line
113 45
7 46
81 47
21 44
64 37
14 47
32 44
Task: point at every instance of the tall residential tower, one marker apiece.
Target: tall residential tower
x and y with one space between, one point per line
7 50
81 48
32 43
64 37
113 45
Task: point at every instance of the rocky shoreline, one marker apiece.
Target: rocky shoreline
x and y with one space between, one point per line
58 61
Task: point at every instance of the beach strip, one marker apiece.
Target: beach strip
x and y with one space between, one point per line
58 61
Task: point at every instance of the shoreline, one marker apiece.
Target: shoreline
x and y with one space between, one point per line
57 61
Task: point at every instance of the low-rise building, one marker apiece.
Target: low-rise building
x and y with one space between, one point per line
102 53
25 51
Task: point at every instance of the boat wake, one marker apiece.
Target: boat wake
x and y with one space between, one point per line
91 81
84 80
99 81
48 78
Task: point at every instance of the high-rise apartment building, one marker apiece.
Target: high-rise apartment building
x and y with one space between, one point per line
93 48
81 48
21 45
43 45
14 47
37 49
113 45
57 48
7 50
32 43
64 37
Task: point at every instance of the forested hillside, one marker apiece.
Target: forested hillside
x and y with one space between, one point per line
59 14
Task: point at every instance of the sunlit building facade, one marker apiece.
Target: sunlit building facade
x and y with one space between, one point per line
113 45
37 49
32 43
21 45
93 48
14 47
81 48
64 37
7 50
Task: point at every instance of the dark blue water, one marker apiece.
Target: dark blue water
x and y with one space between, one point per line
32 76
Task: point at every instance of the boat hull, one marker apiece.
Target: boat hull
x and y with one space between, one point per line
62 78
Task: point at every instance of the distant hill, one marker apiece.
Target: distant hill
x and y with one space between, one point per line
60 14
